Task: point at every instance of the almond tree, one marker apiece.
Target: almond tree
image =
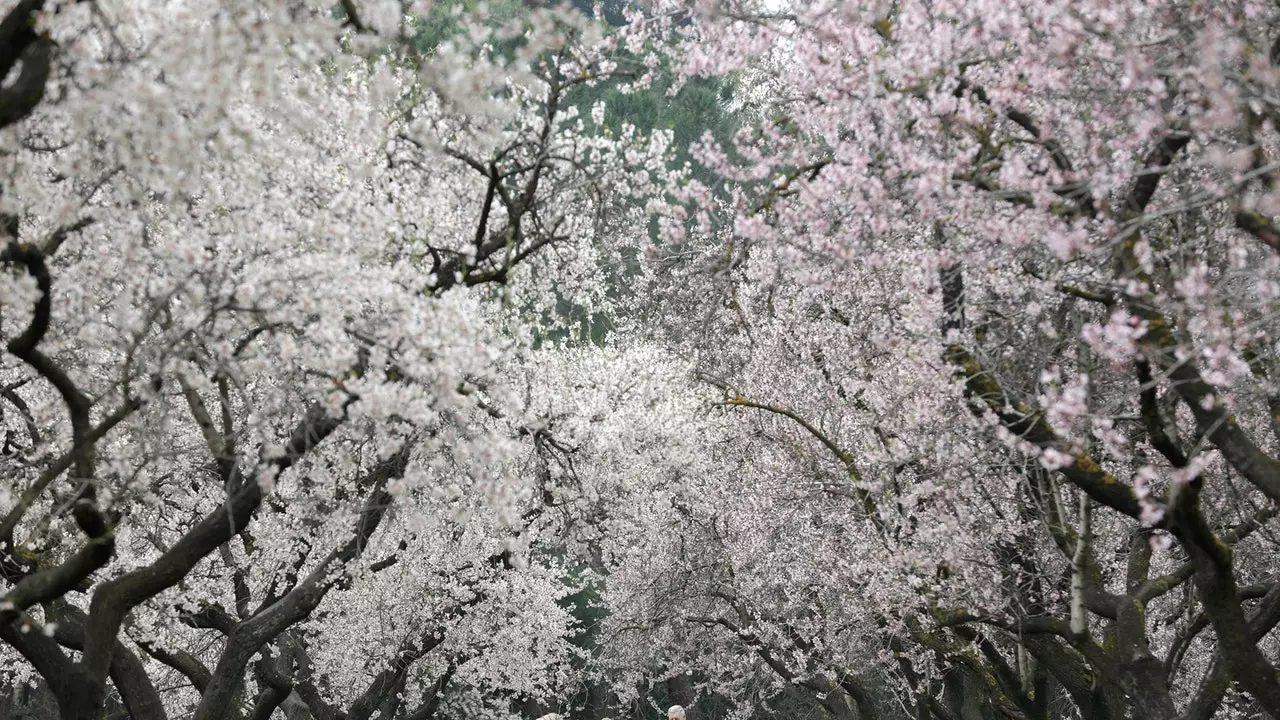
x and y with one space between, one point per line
999 326
273 270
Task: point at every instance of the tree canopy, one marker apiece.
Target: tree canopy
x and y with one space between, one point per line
690 359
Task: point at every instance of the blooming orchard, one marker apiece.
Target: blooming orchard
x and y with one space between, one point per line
942 389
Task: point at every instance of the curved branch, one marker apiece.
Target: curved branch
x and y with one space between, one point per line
1216 586
181 660
25 348
51 473
127 673
19 42
250 635
115 598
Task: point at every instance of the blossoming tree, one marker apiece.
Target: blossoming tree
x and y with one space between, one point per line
274 271
994 304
